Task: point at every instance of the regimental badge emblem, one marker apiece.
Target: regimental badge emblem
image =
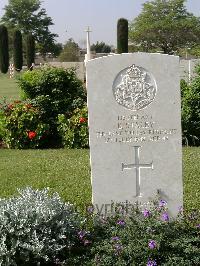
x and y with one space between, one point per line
134 88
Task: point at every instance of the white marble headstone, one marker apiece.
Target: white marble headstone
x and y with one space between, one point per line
135 129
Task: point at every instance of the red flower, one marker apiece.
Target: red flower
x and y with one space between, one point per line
10 106
82 120
32 134
28 106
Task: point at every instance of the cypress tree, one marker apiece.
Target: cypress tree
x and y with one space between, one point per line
18 52
122 36
4 50
30 50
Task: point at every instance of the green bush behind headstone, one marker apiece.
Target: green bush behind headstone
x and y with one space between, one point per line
54 91
190 94
4 52
17 50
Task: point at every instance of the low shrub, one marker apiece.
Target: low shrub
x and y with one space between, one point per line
191 110
3 106
22 126
2 131
74 130
38 229
54 91
146 236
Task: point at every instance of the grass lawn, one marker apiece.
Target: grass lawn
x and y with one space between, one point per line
191 173
8 87
64 171
68 173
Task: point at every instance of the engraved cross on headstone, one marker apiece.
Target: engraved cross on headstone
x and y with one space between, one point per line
137 165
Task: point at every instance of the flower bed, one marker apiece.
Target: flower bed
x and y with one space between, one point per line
22 126
38 229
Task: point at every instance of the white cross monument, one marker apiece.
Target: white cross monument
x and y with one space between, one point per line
88 55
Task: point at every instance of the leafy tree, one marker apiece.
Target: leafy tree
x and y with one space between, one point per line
17 50
195 51
101 47
122 35
28 16
165 25
30 50
4 53
57 49
70 52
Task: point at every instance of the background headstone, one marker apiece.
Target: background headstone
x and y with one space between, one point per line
135 129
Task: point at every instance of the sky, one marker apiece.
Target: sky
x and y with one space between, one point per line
71 17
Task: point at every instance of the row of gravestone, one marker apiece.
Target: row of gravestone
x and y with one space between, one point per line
135 129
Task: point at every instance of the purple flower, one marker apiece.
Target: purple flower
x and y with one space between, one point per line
151 263
149 230
146 213
193 215
162 203
120 209
152 244
180 209
103 220
57 262
165 217
118 248
115 238
90 209
87 242
198 226
121 222
81 234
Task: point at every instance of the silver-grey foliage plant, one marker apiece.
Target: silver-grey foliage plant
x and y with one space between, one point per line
36 228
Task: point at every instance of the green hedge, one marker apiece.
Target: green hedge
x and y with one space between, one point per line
122 36
4 51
